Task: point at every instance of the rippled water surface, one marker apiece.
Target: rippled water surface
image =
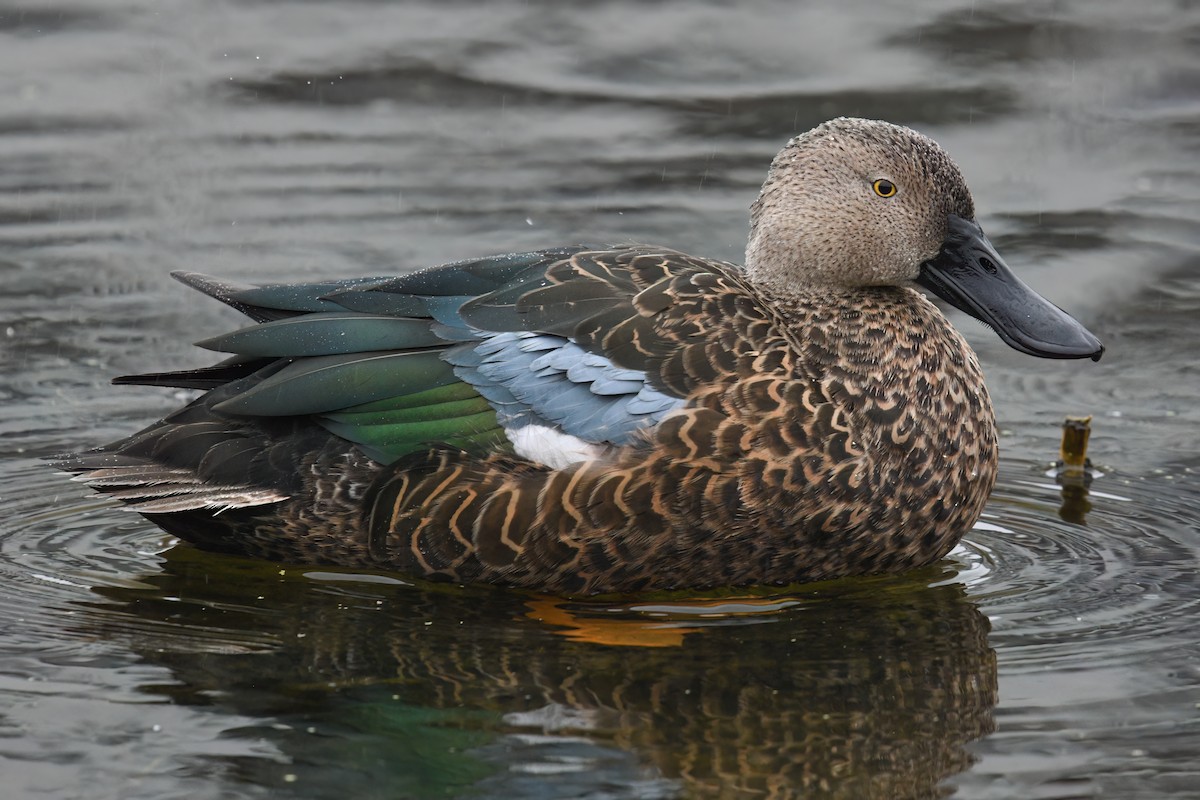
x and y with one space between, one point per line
1055 654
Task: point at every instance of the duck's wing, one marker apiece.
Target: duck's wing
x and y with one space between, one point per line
589 348
670 317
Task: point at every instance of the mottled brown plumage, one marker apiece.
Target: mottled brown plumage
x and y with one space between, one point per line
814 416
796 459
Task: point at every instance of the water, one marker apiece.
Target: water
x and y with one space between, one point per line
1053 655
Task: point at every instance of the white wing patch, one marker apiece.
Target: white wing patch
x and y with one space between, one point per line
552 447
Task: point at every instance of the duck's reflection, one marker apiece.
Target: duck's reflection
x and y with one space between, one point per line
856 689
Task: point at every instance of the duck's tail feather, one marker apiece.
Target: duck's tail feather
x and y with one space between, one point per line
197 459
151 488
204 378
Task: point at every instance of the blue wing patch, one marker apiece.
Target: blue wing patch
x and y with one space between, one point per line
538 378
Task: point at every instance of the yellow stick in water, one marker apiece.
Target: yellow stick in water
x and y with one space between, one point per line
1072 472
1073 452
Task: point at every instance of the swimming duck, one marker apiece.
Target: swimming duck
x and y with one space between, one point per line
585 420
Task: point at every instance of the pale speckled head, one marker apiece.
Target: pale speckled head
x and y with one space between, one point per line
823 219
855 203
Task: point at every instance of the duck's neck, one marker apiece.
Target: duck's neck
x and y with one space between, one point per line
866 329
785 251
842 306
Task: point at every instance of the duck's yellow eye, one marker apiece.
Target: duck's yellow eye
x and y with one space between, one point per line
884 188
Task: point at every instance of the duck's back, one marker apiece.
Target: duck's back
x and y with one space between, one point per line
575 421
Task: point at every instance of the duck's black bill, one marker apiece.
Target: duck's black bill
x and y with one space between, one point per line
971 276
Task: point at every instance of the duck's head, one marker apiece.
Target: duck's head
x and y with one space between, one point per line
855 203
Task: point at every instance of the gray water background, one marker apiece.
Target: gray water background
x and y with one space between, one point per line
287 140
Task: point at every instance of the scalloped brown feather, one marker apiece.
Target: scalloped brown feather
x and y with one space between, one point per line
867 446
825 434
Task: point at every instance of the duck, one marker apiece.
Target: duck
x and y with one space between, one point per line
617 419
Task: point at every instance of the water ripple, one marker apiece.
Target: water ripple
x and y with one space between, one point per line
1121 587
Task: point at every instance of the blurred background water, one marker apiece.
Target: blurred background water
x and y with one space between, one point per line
1055 654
